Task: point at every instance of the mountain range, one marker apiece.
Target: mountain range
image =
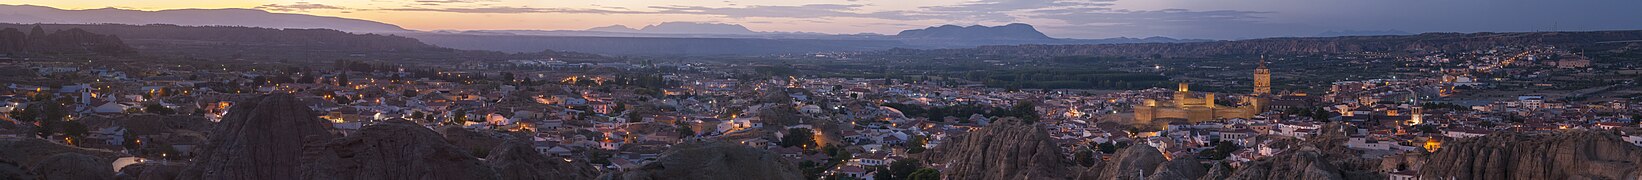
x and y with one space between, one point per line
680 28
29 14
667 38
689 38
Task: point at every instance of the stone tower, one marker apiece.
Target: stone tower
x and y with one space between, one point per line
1262 78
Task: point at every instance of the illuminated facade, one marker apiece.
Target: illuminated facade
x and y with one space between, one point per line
1194 107
1262 78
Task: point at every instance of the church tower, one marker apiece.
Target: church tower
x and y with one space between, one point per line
1262 78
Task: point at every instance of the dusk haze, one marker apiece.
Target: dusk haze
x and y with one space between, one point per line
820 89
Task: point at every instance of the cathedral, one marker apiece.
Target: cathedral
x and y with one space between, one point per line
1192 107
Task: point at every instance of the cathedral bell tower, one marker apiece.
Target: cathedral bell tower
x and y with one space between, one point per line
1262 78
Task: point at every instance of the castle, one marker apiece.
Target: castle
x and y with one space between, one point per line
1199 107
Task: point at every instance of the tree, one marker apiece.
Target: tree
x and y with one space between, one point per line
75 129
458 117
925 174
1109 148
635 117
916 145
1224 149
1084 157
130 141
158 109
903 168
882 173
342 79
28 114
409 93
802 137
342 99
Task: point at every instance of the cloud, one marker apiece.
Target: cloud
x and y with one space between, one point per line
514 10
798 11
298 7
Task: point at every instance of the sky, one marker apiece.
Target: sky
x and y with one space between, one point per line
1206 19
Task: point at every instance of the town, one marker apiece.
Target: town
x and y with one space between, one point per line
620 115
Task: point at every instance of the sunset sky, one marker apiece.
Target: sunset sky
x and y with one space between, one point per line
1214 19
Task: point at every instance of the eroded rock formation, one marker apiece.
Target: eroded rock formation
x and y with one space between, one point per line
397 151
151 171
516 160
1561 155
1323 156
714 160
264 137
73 166
1004 150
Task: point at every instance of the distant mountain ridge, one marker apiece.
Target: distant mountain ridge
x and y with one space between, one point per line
1017 31
1301 45
667 38
689 38
59 41
30 14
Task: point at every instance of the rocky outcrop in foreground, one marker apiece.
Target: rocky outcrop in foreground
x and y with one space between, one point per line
516 160
151 170
1003 150
1141 161
73 166
29 158
1561 155
398 151
277 137
1324 156
265 137
714 160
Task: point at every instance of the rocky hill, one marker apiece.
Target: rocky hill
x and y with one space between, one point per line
60 41
1323 156
277 137
29 158
253 43
1308 45
1003 150
713 160
1563 155
30 14
1142 161
515 160
265 137
397 151
1016 31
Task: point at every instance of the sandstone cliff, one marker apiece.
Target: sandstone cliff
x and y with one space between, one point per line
1179 169
1218 172
1004 150
30 158
1134 162
151 170
264 137
1561 155
714 160
397 151
1141 161
1323 156
516 160
29 152
470 140
73 166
